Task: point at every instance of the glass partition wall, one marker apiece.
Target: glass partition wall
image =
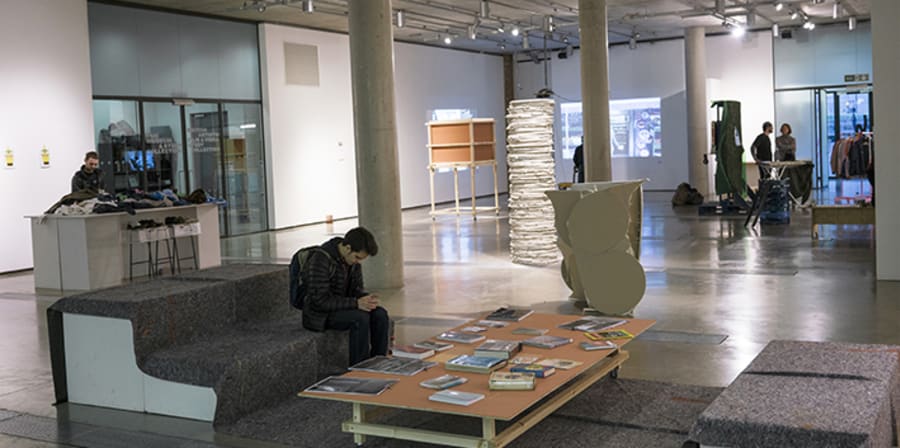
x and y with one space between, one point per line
182 146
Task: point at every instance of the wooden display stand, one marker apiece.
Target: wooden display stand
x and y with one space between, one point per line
462 144
840 214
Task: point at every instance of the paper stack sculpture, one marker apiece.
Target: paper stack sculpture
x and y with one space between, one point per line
529 145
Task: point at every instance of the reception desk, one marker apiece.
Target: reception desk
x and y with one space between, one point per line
80 253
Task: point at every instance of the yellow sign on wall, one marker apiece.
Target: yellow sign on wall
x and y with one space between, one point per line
9 161
45 157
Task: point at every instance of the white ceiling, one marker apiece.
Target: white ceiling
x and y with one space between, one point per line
430 21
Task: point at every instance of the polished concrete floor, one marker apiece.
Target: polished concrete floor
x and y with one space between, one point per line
707 278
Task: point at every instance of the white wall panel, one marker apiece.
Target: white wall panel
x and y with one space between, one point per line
822 56
45 90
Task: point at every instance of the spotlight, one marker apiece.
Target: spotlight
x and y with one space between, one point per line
308 6
448 40
485 9
738 31
401 18
526 44
500 28
779 6
776 32
632 43
851 23
794 15
515 31
472 34
565 39
809 25
836 10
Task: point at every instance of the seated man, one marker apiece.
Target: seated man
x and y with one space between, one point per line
335 298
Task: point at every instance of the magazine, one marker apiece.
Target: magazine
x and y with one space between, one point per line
434 345
593 323
458 336
395 366
525 359
564 364
476 364
473 329
347 385
411 351
511 381
509 314
443 382
496 348
530 331
537 370
546 341
607 335
456 397
491 323
598 345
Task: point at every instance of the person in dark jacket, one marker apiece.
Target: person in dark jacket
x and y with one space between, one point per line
336 298
762 150
578 160
89 177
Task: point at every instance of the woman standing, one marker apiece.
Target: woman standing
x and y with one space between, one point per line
785 145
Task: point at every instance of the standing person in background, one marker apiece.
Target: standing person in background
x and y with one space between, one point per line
578 159
89 177
336 298
785 145
762 150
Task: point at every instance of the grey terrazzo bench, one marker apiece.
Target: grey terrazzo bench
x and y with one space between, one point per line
212 345
808 394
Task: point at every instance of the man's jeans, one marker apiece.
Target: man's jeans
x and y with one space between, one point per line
369 331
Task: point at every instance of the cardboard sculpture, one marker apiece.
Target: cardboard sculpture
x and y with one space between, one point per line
598 232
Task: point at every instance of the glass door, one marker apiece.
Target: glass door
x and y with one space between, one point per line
244 167
162 161
204 153
117 126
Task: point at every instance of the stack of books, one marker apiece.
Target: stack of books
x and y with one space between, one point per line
511 381
547 341
530 331
411 351
433 345
475 364
443 382
537 370
458 336
509 314
495 348
598 345
456 397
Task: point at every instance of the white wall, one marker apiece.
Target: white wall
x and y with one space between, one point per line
886 70
823 56
652 70
743 69
46 98
309 129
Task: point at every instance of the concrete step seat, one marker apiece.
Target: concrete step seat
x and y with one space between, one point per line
253 366
808 394
213 344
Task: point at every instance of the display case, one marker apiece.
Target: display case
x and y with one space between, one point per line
455 144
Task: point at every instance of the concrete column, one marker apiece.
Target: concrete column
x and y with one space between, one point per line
375 124
595 89
886 99
695 80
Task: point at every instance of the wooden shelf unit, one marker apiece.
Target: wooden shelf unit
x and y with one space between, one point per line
468 144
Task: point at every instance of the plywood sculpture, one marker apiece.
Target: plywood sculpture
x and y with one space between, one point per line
467 144
529 146
598 226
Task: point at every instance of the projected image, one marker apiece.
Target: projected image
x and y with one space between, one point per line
635 127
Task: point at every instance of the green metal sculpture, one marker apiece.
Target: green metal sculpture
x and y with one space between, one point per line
730 176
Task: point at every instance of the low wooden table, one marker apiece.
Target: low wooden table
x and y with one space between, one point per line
840 214
497 405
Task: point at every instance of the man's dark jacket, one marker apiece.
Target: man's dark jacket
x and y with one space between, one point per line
332 285
82 180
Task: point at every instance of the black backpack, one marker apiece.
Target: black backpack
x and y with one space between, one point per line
298 265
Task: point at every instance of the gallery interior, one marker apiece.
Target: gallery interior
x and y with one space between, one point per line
598 160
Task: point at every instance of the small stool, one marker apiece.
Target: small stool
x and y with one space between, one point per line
151 237
190 231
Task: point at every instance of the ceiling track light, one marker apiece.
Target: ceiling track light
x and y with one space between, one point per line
448 40
471 31
526 44
549 26
738 30
776 31
836 10
794 14
485 10
308 6
632 43
851 23
500 28
779 6
401 18
515 31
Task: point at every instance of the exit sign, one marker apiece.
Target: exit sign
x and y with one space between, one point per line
861 77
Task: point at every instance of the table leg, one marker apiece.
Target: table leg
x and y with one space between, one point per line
456 188
496 193
359 416
472 186
431 177
488 429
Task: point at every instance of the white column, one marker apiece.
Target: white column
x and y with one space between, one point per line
886 98
595 89
375 124
695 80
